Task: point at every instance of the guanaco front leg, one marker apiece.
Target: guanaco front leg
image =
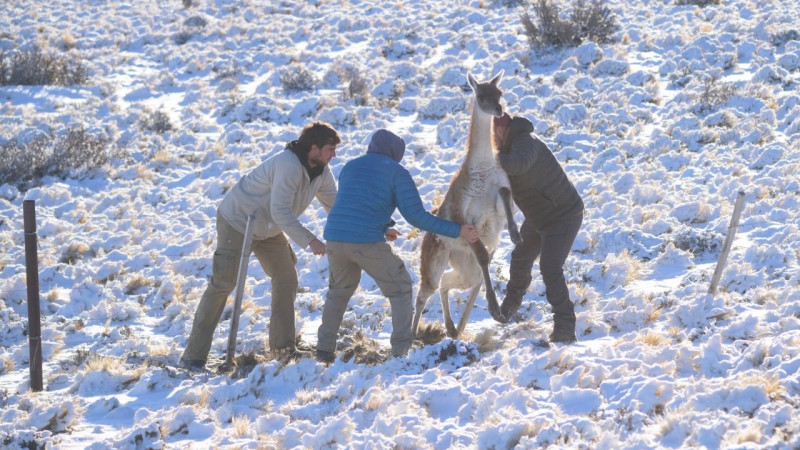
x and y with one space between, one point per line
513 231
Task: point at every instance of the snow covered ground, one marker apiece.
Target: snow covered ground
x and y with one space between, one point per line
657 151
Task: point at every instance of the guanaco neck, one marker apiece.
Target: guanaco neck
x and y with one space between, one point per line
479 141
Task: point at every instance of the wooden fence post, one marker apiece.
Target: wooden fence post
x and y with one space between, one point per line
32 282
723 257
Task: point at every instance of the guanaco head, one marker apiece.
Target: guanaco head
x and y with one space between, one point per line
487 94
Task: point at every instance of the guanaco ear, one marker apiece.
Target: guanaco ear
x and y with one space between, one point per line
471 81
497 77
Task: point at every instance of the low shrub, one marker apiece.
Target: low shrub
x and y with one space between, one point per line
298 78
587 22
37 68
697 2
67 154
713 94
157 122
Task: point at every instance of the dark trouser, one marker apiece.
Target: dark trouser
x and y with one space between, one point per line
553 243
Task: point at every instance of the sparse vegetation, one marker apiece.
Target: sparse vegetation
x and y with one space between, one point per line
698 242
356 86
75 251
157 122
241 426
651 338
70 153
713 94
363 349
697 2
587 22
780 38
37 67
136 283
298 78
431 333
656 132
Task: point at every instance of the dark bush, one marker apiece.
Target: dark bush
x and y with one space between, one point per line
697 242
356 85
780 38
298 78
697 2
157 122
69 154
587 22
713 94
39 68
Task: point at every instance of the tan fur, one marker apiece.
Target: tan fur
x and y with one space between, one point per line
479 195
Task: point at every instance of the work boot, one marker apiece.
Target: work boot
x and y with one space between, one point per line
563 329
510 305
325 357
193 365
290 354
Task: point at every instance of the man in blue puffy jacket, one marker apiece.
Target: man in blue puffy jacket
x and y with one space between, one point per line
371 187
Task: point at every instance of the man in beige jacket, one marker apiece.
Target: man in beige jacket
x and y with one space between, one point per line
276 193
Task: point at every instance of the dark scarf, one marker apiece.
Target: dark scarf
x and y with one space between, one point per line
302 155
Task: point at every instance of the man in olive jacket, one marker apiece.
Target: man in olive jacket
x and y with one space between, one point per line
276 193
553 212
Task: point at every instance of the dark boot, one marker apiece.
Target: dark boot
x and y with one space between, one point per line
510 304
563 328
325 357
193 365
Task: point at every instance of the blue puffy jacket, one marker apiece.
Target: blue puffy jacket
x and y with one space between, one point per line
371 187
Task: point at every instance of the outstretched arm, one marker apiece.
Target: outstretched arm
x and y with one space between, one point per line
410 206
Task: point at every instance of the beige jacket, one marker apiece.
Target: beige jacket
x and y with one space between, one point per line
277 192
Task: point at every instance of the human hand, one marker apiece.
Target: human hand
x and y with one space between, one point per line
317 247
468 233
391 234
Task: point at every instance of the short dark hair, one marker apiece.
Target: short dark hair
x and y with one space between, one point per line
319 134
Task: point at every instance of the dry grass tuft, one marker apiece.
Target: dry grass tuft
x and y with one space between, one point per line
752 434
204 395
487 341
158 350
431 333
651 338
75 251
363 349
8 365
772 386
562 361
241 426
137 283
373 399
256 309
102 363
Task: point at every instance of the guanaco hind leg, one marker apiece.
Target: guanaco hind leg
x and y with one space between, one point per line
433 261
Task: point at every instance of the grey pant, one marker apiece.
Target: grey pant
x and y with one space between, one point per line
553 243
277 259
346 261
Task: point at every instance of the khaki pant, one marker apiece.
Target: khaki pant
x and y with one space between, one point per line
346 261
278 261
